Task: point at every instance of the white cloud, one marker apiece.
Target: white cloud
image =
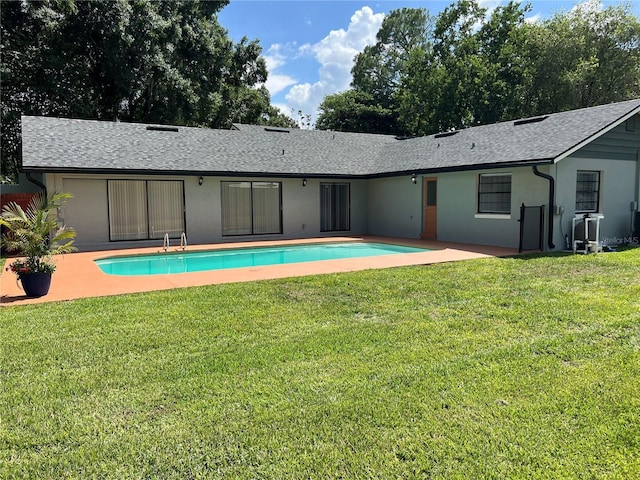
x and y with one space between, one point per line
534 19
490 4
276 58
276 83
335 54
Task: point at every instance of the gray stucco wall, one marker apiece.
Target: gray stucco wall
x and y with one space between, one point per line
616 154
87 211
458 218
395 207
617 191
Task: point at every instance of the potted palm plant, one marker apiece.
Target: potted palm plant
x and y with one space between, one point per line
36 235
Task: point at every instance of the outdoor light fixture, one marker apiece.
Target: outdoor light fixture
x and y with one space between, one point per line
304 182
200 181
414 180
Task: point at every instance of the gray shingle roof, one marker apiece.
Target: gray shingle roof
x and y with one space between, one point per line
56 144
508 143
59 145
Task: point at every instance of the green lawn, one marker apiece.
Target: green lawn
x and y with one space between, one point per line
498 368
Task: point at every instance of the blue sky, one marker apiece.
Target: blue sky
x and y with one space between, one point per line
309 45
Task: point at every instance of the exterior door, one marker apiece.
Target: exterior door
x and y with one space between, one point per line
430 209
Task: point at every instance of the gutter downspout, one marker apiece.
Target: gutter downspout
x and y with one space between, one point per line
551 204
637 199
634 214
37 183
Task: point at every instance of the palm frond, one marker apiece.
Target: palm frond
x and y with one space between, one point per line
34 231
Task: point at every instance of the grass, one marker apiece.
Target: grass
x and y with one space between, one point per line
498 368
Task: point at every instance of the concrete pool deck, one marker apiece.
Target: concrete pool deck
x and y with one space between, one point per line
78 276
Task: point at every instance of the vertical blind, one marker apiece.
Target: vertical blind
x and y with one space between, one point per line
127 210
166 209
236 208
266 207
141 209
251 208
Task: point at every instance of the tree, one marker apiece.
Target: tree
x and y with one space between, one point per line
465 68
371 105
275 118
442 84
378 69
585 57
130 60
507 68
354 111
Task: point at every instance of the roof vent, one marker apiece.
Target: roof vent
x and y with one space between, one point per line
445 134
530 120
404 137
162 129
272 129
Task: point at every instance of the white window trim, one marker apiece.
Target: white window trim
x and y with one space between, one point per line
493 216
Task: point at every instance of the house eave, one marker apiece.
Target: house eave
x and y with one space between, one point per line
186 173
465 168
601 132
229 174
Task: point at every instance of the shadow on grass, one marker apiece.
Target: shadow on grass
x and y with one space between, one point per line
568 253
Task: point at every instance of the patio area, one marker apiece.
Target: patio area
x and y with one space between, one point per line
78 276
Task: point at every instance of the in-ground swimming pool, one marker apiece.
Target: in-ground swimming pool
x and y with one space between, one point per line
183 262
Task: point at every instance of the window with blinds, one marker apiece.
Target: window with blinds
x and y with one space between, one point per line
145 209
587 191
494 193
335 207
251 208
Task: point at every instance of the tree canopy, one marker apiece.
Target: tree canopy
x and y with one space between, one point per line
463 67
128 60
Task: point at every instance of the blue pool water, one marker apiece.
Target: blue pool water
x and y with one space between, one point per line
183 262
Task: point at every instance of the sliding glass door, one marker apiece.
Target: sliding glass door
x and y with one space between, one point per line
251 208
335 207
145 209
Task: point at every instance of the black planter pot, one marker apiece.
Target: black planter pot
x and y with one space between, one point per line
36 284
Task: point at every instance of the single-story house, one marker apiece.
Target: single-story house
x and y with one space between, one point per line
134 183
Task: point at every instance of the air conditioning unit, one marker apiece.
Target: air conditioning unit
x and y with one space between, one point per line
586 233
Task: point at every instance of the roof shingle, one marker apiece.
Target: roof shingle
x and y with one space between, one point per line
59 145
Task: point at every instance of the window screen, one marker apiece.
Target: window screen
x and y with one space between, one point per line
587 191
494 193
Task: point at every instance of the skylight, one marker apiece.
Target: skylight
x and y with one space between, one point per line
157 128
445 134
275 129
524 121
